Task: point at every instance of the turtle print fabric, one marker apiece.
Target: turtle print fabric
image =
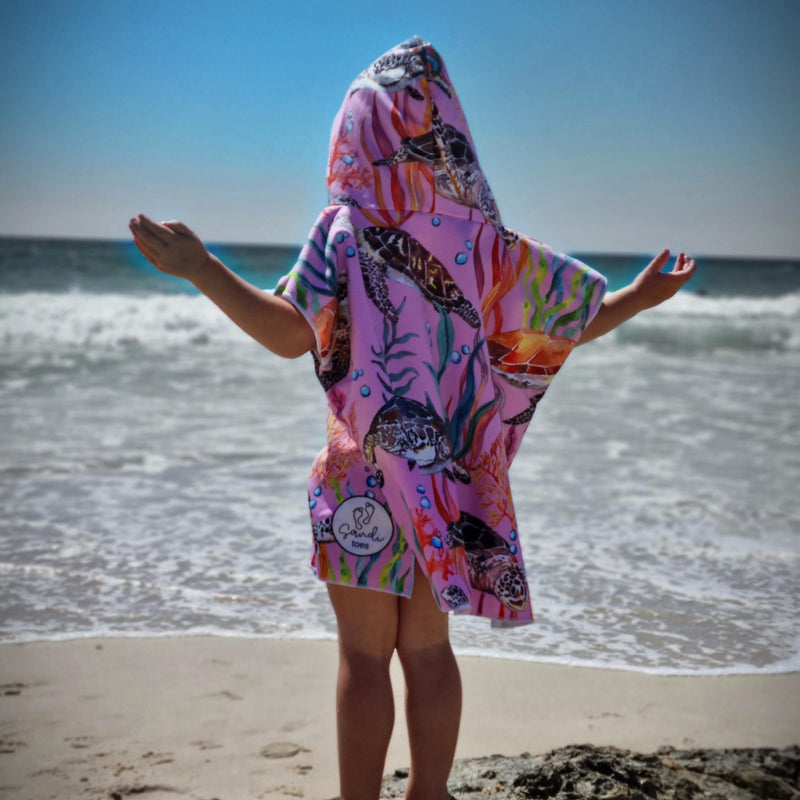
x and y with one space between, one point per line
438 332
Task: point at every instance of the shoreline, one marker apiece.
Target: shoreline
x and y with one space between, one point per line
786 667
230 717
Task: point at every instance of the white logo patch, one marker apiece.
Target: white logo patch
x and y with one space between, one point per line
362 526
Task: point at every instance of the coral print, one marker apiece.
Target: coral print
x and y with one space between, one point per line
438 332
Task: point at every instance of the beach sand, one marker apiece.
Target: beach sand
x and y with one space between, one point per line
232 718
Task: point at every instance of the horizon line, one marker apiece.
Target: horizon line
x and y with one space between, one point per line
294 246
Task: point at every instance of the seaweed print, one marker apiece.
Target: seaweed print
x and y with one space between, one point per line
465 424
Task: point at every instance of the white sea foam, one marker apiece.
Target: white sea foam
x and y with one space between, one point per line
687 322
85 320
692 323
153 466
731 307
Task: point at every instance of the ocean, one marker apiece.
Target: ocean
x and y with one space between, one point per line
153 464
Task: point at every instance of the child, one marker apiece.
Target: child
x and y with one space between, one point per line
435 331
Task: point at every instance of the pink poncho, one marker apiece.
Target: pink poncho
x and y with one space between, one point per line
438 331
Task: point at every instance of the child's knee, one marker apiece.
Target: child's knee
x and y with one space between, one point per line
365 666
426 658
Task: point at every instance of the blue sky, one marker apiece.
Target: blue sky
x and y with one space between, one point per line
602 125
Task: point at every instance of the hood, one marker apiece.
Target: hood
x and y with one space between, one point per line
401 143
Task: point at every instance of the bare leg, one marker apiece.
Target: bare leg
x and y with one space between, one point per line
367 622
433 691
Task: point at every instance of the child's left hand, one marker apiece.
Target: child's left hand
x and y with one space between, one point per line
649 288
652 286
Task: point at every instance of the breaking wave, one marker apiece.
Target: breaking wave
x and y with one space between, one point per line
686 323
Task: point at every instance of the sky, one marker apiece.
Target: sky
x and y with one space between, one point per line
602 125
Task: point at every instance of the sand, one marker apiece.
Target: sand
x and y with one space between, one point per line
230 718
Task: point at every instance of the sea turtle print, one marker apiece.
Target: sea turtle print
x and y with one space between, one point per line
492 566
344 199
405 428
456 172
455 596
323 530
402 66
387 251
526 415
528 359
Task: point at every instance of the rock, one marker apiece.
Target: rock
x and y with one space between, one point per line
283 750
585 772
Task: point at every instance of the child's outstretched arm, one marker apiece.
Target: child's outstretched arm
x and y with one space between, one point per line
650 287
271 321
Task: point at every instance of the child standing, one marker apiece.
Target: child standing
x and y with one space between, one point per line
435 332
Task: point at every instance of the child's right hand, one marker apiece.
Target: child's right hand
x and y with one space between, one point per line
170 246
270 320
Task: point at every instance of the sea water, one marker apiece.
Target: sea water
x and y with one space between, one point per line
153 464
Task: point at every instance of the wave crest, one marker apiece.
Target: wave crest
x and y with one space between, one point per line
696 323
81 319
686 323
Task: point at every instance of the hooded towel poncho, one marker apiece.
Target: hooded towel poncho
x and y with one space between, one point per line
438 332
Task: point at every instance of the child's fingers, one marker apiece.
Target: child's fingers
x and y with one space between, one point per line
138 229
143 237
683 265
689 268
680 276
145 251
153 244
155 230
143 240
657 264
178 227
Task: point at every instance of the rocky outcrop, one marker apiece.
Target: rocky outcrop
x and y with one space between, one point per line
581 772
